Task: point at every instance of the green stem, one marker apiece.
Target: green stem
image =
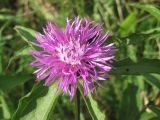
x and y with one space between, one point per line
77 105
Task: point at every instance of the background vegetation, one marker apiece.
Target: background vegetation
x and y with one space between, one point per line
131 93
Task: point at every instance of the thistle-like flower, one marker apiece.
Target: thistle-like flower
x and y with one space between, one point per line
78 53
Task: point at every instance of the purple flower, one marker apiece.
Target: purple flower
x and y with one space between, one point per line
77 54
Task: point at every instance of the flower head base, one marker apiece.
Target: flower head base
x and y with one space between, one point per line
76 54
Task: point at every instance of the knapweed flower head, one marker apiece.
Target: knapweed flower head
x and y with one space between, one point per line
76 54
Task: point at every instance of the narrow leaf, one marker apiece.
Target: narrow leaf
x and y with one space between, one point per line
138 38
7 23
92 106
128 24
155 109
148 116
153 79
129 104
5 109
38 104
150 9
26 33
8 82
142 66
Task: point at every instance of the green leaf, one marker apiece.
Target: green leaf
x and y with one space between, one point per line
153 79
150 9
155 109
5 109
142 66
138 38
20 53
139 83
153 30
8 82
129 104
128 24
92 106
6 24
26 33
38 104
132 50
148 116
6 17
23 52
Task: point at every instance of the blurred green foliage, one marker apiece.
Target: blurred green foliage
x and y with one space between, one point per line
133 89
